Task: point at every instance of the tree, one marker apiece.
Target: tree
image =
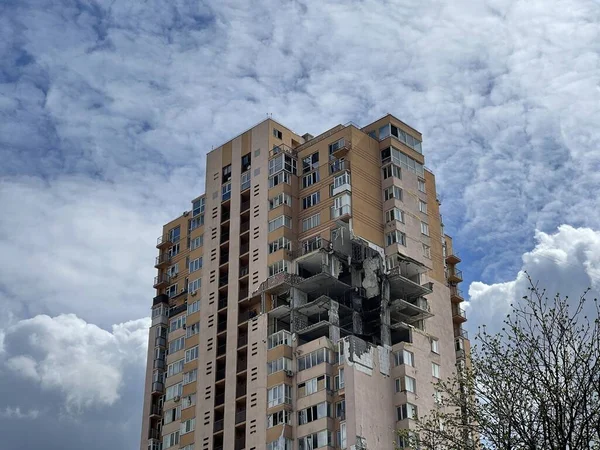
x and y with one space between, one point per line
533 386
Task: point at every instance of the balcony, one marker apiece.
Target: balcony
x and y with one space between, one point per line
244 248
220 375
163 241
221 350
244 270
240 443
458 314
244 227
162 261
337 165
153 433
159 364
242 340
279 283
454 275
456 295
310 246
240 390
224 237
224 259
340 212
243 294
460 333
155 411
177 310
341 151
240 416
225 216
242 365
222 326
161 281
452 259
222 303
218 426
282 148
158 387
160 342
245 206
219 399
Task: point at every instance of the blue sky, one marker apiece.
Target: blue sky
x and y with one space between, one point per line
108 108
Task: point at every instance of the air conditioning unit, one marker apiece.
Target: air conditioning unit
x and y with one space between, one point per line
182 290
289 373
185 213
176 398
194 293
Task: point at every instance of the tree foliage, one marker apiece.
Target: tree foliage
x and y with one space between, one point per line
533 386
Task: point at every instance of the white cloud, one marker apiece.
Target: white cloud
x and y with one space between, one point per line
16 413
565 262
81 361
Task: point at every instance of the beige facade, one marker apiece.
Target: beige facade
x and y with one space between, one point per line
307 300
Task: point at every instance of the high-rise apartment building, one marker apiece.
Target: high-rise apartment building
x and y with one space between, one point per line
307 300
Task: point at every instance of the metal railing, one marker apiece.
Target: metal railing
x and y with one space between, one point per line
282 148
155 410
310 246
162 278
456 291
153 433
337 165
162 258
177 309
460 333
458 312
157 386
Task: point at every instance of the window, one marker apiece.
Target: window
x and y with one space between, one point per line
174 234
193 286
226 173
392 192
341 180
280 243
406 411
278 222
311 222
246 161
435 346
173 251
398 158
176 345
282 162
198 206
245 181
404 357
406 138
281 177
279 395
408 384
188 426
314 412
171 291
422 206
310 162
188 400
275 419
196 222
426 251
226 192
424 229
173 270
278 134
279 365
281 199
193 307
172 415
341 206
335 146
342 435
310 179
394 214
176 324
437 397
282 337
314 385
340 409
435 370
392 171
175 368
315 440
384 131
192 329
278 267
280 444
421 183
196 264
311 200
171 440
314 358
394 237
338 381
197 242
191 354
174 391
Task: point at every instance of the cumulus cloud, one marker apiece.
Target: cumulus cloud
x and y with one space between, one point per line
81 361
565 262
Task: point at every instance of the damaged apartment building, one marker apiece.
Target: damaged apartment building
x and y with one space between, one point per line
308 300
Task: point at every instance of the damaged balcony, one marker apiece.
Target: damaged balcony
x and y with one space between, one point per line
405 279
314 319
280 305
278 283
323 272
409 311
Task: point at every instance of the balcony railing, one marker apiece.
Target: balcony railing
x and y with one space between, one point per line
157 386
245 206
222 326
224 259
221 349
240 390
160 342
242 340
222 303
243 293
282 148
163 241
337 165
223 280
153 433
339 212
225 216
459 312
155 410
242 365
460 333
456 292
246 315
244 270
224 237
177 310
219 399
310 246
159 364
162 259
220 375
240 444
218 426
161 280
244 226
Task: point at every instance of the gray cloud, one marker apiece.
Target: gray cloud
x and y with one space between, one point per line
108 108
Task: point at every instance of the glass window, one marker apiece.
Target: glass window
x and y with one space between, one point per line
404 357
197 242
424 228
422 206
198 206
334 146
421 184
195 264
435 370
391 171
310 163
311 222
278 267
310 179
311 200
394 214
435 346
191 354
281 199
279 222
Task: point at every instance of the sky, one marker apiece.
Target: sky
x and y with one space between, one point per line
107 110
